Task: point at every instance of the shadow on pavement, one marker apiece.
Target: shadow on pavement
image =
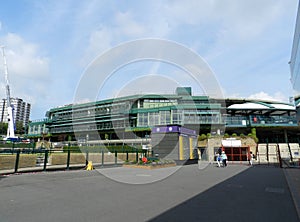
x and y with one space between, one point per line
258 194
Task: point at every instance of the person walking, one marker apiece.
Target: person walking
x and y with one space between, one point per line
219 159
250 158
224 159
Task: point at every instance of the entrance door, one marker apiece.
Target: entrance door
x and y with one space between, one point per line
236 153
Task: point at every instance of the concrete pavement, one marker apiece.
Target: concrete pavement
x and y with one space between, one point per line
234 193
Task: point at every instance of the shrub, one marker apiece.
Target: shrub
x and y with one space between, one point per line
253 131
202 137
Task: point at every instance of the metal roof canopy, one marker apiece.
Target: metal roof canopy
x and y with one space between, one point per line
260 108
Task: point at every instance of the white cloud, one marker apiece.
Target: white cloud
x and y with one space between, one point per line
23 58
128 26
278 96
99 41
28 70
122 27
244 18
156 84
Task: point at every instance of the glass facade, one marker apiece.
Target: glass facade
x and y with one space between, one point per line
295 57
295 63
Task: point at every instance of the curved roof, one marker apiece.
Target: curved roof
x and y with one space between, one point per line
297 102
260 107
247 105
283 106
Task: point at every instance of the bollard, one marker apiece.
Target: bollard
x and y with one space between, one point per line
17 161
116 157
127 156
45 160
86 157
102 157
68 159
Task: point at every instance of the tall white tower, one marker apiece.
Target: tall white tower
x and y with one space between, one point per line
10 116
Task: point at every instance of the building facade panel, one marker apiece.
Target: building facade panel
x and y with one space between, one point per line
295 57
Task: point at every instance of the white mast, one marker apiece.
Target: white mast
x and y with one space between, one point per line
10 116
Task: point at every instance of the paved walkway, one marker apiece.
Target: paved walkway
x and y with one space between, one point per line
234 193
293 179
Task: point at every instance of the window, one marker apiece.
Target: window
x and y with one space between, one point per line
165 117
153 118
142 119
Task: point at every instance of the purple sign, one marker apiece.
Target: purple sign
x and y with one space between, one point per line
173 129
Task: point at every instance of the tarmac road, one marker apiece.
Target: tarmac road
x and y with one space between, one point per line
234 193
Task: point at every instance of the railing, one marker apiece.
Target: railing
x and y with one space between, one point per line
29 159
240 121
273 121
243 121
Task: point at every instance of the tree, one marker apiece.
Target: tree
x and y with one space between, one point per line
19 127
3 128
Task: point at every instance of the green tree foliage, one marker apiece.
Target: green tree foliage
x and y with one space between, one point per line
202 137
3 128
20 128
253 133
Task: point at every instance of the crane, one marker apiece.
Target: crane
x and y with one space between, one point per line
10 117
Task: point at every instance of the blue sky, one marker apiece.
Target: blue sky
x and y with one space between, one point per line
50 44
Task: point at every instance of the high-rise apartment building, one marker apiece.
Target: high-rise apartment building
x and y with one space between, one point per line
21 110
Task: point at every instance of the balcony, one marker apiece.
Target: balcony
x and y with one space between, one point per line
259 121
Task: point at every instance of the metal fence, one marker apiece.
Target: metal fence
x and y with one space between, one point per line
17 159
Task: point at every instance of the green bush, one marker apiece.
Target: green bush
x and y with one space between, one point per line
253 131
202 137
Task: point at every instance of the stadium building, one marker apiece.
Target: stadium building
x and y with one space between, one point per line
134 116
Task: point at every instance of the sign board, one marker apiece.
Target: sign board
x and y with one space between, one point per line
231 143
